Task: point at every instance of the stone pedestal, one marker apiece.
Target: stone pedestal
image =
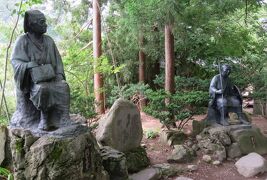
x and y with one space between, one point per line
231 141
70 153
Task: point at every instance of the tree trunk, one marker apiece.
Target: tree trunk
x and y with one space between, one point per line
98 77
169 67
169 60
142 66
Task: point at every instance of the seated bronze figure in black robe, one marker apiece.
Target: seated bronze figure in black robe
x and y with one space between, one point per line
225 98
41 103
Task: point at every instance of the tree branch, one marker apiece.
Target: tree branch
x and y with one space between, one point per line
7 54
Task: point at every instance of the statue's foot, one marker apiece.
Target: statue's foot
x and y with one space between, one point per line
224 123
43 126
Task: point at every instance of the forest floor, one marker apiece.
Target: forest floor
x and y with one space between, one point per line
158 152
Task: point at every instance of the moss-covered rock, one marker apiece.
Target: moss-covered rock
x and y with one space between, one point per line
172 137
136 159
181 154
114 163
48 157
250 140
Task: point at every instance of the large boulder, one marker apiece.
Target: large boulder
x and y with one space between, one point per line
251 164
250 140
3 138
121 127
75 156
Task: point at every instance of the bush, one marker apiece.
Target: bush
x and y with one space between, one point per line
182 106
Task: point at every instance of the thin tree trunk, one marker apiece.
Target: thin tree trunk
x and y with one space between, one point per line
98 77
169 66
142 59
169 60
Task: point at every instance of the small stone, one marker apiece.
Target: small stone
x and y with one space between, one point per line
206 158
216 163
143 145
192 167
251 165
183 178
146 174
195 147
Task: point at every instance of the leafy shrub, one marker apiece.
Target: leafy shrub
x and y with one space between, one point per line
128 91
150 134
182 106
5 173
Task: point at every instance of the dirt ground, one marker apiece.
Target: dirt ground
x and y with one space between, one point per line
158 153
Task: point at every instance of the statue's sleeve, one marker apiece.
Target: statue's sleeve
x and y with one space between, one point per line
59 63
213 87
19 60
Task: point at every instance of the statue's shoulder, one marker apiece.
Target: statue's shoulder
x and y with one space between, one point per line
48 38
21 39
216 77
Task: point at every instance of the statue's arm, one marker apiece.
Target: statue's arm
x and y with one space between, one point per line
213 90
20 62
60 75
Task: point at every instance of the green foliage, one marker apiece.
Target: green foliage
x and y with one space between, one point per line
151 134
3 120
5 173
183 105
127 91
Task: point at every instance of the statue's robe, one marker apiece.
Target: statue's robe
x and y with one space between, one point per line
231 102
31 97
229 90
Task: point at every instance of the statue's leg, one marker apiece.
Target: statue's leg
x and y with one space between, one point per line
222 107
43 124
238 110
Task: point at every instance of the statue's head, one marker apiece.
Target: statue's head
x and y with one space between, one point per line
35 22
226 70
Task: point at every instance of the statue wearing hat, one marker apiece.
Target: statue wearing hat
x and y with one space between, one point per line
42 92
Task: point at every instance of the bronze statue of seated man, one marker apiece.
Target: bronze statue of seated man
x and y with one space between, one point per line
225 98
42 92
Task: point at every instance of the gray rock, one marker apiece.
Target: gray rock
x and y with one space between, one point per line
69 158
250 140
233 151
181 154
220 133
192 167
121 127
147 174
2 143
216 163
114 163
172 137
183 178
136 159
206 158
211 144
168 170
251 164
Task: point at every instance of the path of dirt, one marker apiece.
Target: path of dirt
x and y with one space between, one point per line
158 153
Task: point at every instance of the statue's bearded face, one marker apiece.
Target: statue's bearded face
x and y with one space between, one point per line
226 71
38 24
